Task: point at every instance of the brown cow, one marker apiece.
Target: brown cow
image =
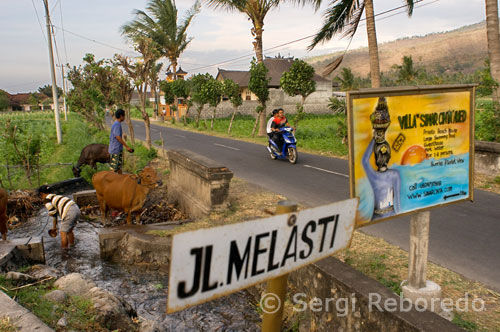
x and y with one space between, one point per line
3 214
124 192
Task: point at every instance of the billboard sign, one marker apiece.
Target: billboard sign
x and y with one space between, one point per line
410 149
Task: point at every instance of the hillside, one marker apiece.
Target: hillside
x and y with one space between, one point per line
463 49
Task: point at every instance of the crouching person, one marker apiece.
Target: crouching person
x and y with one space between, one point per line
66 209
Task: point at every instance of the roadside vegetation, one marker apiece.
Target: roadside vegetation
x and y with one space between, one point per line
79 312
31 157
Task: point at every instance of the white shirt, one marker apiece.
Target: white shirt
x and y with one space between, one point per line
269 123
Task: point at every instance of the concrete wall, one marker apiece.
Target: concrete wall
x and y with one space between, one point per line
316 103
197 185
333 279
487 158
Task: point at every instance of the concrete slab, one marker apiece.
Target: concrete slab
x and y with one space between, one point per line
21 317
21 251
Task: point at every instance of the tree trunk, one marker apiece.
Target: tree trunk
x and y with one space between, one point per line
255 125
198 116
128 120
148 131
213 119
493 35
257 44
372 44
186 115
176 100
231 122
145 116
262 123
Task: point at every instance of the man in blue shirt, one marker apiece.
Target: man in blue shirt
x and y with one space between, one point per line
116 143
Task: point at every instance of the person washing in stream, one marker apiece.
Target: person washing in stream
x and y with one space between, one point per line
66 209
385 182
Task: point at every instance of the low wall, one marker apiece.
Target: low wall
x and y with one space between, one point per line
487 157
197 184
338 298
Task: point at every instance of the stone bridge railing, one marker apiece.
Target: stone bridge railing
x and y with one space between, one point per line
197 184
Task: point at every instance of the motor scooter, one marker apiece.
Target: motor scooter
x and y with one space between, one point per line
289 148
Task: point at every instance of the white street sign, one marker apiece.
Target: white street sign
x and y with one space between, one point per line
213 262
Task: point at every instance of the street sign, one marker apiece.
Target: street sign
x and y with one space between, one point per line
210 263
410 149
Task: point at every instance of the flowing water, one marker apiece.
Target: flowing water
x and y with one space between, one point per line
145 291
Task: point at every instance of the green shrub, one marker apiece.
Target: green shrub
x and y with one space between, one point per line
488 123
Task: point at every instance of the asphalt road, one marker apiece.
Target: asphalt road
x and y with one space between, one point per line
464 237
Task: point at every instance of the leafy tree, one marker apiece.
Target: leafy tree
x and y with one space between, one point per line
347 80
4 100
487 84
343 17
407 73
159 22
232 91
47 90
197 95
140 72
92 89
298 81
124 89
181 89
153 77
258 85
25 145
212 91
256 11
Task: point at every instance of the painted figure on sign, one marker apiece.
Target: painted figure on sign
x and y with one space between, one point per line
385 182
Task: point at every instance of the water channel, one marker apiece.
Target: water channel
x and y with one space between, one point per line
146 292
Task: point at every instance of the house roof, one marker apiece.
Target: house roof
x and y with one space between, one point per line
180 71
238 76
276 67
23 98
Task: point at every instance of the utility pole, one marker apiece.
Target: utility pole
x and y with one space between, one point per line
53 74
65 107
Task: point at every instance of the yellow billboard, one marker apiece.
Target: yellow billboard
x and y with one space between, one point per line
410 149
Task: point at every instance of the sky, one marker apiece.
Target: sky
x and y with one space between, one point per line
93 26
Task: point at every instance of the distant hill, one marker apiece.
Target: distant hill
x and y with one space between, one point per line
463 49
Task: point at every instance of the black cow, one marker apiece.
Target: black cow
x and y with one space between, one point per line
90 155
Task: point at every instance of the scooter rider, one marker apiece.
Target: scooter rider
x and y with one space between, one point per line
269 130
279 122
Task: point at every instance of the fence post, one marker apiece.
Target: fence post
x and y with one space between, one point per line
271 320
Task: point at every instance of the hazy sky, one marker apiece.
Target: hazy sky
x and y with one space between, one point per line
93 26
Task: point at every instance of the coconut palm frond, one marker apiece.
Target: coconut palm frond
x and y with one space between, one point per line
336 19
409 5
229 5
353 24
329 68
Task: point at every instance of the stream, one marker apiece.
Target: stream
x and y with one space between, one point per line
146 292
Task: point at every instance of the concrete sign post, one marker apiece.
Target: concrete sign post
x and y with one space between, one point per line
214 262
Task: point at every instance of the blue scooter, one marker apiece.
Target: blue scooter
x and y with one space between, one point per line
289 149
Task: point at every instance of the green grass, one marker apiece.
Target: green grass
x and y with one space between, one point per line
79 312
463 323
76 134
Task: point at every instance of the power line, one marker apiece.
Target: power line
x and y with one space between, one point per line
38 19
64 39
303 38
95 41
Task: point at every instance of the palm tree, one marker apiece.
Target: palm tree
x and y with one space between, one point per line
493 35
159 22
344 16
256 10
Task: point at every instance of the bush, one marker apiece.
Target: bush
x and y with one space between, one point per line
488 123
